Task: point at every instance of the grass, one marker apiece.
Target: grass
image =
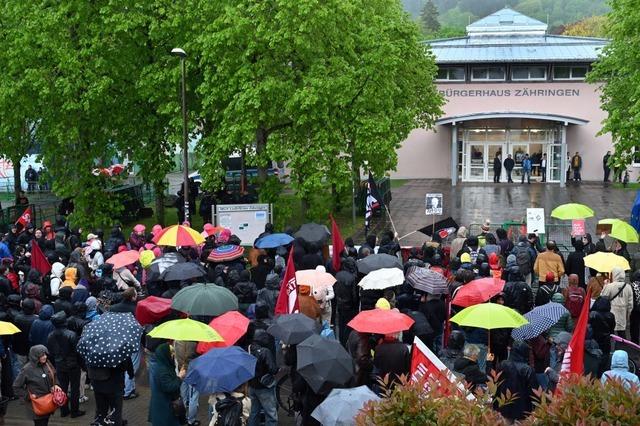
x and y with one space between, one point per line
630 186
397 183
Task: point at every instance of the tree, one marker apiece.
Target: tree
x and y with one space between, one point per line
617 72
429 18
593 26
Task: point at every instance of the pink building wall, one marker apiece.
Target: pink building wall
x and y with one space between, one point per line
427 154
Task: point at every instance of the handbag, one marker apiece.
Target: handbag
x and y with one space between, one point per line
48 403
179 410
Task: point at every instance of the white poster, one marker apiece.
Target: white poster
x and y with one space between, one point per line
433 204
535 221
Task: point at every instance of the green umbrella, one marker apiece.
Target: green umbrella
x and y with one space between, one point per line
489 316
186 329
621 230
205 299
572 211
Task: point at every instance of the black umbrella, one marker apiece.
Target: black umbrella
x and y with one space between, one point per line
324 364
313 233
183 271
441 224
159 265
373 262
110 340
293 328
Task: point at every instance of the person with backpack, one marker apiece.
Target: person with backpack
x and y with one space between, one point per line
564 324
549 261
518 378
230 408
165 385
517 293
620 294
262 389
574 296
546 289
525 258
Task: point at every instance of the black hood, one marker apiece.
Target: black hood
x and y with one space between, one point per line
272 282
34 276
14 300
36 352
349 264
456 340
28 306
602 304
59 320
262 338
106 268
519 352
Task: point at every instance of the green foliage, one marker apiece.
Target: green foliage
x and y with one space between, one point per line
588 402
447 32
429 18
617 71
593 26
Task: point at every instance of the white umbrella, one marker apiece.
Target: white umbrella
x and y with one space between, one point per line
342 406
382 278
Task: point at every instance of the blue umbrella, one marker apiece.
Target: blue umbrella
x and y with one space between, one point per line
540 319
221 370
109 340
273 241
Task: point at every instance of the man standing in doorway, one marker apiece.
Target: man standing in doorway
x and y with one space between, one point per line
576 165
508 165
606 166
31 176
543 167
526 168
497 168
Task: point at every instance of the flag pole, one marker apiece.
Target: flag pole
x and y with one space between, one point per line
391 220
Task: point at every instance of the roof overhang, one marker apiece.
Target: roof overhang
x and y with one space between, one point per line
566 120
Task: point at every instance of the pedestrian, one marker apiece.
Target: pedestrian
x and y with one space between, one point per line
549 261
497 168
24 320
63 303
269 294
517 293
518 378
42 327
546 290
526 168
620 371
574 296
108 385
576 166
606 166
458 242
509 164
506 245
575 262
620 294
603 324
393 358
166 388
262 389
568 171
31 177
454 349
543 167
467 366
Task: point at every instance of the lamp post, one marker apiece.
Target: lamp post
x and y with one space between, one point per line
185 143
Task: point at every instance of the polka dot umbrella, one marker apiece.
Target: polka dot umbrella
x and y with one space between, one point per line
110 340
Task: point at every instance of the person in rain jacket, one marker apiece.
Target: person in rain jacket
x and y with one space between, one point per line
620 293
137 238
261 388
346 296
70 278
92 309
565 323
42 327
458 242
166 388
269 294
620 371
125 279
519 378
454 349
64 301
57 271
603 324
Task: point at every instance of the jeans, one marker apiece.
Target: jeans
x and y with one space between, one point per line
482 356
130 384
509 176
70 382
190 397
576 175
543 173
17 362
526 173
105 402
150 360
265 400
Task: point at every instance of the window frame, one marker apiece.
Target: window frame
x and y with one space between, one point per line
449 79
488 67
528 68
571 77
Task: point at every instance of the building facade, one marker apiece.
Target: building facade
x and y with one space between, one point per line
511 89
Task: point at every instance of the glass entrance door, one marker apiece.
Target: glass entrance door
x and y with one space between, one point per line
492 150
553 168
476 168
518 152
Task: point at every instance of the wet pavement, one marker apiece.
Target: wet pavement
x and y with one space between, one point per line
470 203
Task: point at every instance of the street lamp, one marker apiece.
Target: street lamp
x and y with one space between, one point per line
185 143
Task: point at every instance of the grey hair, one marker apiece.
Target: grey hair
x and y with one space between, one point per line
471 350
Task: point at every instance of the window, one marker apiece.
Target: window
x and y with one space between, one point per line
635 162
535 72
450 74
570 72
487 73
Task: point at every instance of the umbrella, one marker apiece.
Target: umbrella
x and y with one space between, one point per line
621 230
209 230
313 233
477 291
158 266
205 299
221 370
186 329
572 211
178 235
342 406
110 340
293 328
605 262
273 241
378 261
489 316
315 278
183 271
324 363
541 318
226 253
427 280
382 278
152 309
380 321
231 326
441 224
124 258
8 328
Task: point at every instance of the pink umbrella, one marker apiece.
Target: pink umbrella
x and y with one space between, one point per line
317 278
124 258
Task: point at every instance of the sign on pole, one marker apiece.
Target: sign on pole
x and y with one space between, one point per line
433 204
247 221
535 221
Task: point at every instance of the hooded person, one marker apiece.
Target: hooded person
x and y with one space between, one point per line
92 309
42 326
37 377
261 388
518 378
166 388
517 293
269 294
346 296
70 278
603 324
24 320
78 320
245 290
308 304
558 348
592 354
81 292
57 274
137 238
465 262
575 262
620 371
454 349
458 242
565 323
620 293
64 301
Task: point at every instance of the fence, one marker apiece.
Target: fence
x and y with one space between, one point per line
39 214
559 232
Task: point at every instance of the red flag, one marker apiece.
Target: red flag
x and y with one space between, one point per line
573 361
338 245
39 260
287 302
25 218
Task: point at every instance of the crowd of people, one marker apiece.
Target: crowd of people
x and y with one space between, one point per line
51 311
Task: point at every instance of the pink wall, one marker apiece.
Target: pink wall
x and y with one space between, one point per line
426 154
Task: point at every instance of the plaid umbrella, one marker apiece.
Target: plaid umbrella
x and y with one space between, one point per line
540 319
427 280
226 253
109 340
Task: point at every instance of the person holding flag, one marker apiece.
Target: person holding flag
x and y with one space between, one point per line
287 302
373 202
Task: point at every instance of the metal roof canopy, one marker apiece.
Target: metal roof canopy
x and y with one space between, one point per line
506 21
510 114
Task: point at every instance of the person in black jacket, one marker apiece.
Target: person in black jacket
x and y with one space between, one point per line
269 294
508 166
603 324
519 378
517 293
63 303
262 390
575 262
128 303
393 358
346 296
454 349
497 168
62 344
434 309
108 384
23 320
467 365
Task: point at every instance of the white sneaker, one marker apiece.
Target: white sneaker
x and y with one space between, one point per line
83 399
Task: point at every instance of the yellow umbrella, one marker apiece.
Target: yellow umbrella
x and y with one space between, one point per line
605 262
8 328
186 329
572 211
621 230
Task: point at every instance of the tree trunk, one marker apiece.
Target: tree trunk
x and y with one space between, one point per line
17 180
158 190
261 146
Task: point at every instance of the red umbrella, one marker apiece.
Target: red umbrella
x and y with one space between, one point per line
477 291
231 326
152 309
124 258
380 321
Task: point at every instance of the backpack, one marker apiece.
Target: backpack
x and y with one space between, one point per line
523 260
229 411
517 296
575 299
543 296
474 254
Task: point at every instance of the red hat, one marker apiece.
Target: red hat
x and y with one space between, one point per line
550 277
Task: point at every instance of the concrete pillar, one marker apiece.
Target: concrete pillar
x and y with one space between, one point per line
454 155
563 156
